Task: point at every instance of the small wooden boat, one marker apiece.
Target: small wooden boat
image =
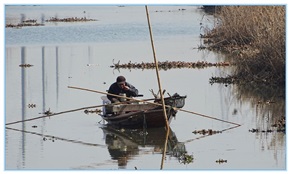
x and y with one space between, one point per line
135 115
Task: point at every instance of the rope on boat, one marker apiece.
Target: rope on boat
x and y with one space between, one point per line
156 68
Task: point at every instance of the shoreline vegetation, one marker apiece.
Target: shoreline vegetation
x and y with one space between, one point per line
254 38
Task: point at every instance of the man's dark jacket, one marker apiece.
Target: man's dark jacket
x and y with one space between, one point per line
115 89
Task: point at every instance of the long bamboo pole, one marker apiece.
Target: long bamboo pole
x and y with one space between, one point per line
157 70
53 114
63 112
183 110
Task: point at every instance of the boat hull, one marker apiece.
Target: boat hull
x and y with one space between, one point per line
141 119
142 115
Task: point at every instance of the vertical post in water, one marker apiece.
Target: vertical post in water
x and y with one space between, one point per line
157 70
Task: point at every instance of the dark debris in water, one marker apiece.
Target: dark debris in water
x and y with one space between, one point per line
185 159
263 131
160 11
221 161
92 111
24 24
223 80
278 126
33 22
206 132
25 65
266 131
49 138
48 112
71 19
241 80
31 105
169 65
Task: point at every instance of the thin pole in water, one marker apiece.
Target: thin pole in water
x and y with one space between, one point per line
160 88
157 70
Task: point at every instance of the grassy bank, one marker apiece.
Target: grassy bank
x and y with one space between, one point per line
255 38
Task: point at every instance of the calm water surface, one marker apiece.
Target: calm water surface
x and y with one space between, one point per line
80 54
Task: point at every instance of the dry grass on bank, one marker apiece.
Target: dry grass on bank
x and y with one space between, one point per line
256 36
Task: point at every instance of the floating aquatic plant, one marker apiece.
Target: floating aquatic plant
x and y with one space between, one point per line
185 159
169 65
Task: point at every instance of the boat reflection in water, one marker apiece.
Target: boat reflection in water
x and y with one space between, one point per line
124 144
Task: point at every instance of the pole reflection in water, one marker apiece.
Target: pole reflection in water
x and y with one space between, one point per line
165 147
124 144
43 78
57 74
24 102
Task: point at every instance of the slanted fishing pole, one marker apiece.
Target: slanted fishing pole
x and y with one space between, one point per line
53 114
63 112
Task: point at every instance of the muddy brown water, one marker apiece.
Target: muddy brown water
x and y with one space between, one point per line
80 54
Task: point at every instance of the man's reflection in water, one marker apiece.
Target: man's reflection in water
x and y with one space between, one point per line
121 149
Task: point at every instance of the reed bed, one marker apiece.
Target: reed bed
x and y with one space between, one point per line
255 37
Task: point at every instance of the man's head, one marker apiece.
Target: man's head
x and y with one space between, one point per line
121 80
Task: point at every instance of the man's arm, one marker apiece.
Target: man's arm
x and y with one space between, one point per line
132 90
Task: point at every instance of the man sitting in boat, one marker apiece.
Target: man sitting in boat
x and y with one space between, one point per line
121 87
